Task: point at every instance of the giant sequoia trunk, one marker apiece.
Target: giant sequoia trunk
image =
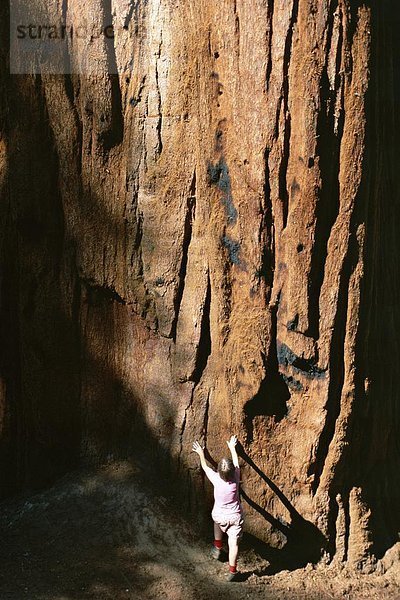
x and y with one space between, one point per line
206 244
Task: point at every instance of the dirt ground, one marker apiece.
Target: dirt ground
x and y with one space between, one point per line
103 536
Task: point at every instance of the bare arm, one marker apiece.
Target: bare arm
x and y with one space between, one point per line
232 447
200 451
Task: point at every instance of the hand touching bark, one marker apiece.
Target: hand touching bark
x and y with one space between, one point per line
232 447
197 448
200 451
232 442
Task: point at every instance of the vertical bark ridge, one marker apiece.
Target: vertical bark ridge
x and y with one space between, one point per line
379 316
336 368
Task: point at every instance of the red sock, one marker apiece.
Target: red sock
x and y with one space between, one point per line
232 569
218 544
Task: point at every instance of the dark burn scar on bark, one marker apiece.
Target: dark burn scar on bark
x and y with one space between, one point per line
233 248
292 324
295 187
292 383
300 365
218 175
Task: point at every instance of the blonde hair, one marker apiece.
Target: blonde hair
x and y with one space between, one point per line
226 469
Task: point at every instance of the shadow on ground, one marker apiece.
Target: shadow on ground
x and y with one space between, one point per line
104 535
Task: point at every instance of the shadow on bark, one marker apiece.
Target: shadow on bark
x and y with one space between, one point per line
304 541
273 394
40 436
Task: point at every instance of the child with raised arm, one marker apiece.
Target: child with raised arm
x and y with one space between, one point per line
227 511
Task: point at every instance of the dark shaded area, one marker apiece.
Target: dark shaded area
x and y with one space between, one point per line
283 167
90 523
97 294
373 458
271 400
304 541
270 13
40 345
112 124
187 238
370 460
273 394
48 427
267 241
329 136
204 347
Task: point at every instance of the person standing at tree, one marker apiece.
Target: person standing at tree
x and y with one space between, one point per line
227 512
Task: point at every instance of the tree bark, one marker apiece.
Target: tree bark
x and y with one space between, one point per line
206 245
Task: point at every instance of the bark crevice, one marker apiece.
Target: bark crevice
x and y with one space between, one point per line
204 347
187 238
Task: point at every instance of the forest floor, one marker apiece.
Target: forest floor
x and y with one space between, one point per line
102 535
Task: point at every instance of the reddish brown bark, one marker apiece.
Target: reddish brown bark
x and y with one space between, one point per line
208 245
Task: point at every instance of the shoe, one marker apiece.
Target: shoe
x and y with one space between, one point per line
233 576
216 553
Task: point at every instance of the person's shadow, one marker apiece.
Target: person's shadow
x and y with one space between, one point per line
305 543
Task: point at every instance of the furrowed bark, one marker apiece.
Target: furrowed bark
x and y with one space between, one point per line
206 244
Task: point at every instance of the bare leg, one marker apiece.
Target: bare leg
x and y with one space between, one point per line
217 532
233 551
